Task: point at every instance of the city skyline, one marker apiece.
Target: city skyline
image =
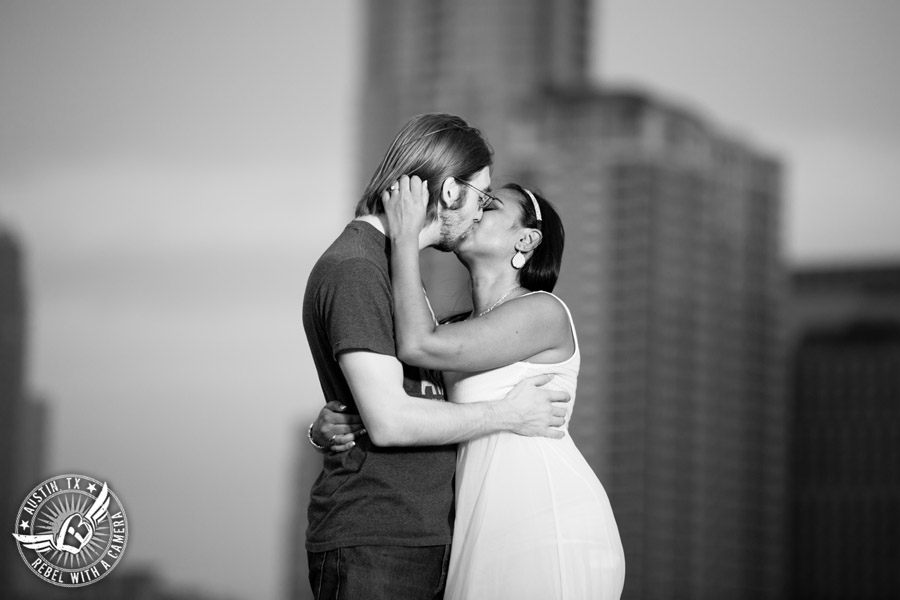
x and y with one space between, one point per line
160 193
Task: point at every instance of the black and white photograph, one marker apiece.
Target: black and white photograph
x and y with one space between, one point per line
475 300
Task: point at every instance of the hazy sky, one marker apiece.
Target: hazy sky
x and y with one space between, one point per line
173 169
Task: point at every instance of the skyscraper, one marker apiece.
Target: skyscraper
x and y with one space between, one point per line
23 416
846 431
482 60
12 373
678 289
672 271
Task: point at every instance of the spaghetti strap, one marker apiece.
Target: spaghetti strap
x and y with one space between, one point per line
568 312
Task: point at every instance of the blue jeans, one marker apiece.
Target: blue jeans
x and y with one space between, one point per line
379 573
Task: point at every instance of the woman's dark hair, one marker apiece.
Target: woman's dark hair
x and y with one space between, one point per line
433 146
542 269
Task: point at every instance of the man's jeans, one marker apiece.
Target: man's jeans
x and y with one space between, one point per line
379 573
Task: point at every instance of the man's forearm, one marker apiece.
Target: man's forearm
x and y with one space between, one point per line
393 418
417 422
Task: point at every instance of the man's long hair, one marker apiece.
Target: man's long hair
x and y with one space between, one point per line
433 146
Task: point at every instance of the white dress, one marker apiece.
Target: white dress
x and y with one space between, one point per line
532 519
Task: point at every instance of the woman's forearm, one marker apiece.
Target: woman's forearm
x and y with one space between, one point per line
413 319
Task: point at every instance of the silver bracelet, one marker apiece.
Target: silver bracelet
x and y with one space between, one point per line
318 448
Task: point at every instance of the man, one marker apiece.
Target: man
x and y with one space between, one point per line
381 514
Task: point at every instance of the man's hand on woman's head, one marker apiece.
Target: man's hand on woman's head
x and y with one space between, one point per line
334 429
405 207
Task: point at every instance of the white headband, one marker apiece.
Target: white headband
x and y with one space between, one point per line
537 209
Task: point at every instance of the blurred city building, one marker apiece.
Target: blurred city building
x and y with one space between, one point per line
31 451
12 357
845 424
12 374
672 271
32 443
675 278
23 416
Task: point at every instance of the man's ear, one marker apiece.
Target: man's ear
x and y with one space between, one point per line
529 241
449 193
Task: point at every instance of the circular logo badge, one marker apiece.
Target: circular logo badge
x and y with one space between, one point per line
71 530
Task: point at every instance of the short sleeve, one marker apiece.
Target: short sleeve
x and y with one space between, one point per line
355 304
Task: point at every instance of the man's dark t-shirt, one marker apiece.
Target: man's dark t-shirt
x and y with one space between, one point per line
370 495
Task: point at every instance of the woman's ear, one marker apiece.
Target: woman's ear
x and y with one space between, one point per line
449 193
531 240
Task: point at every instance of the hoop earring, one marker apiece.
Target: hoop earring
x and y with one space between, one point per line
518 260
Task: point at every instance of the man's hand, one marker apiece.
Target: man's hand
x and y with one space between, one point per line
405 206
535 411
335 430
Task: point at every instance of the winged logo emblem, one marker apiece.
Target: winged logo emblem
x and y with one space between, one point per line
76 531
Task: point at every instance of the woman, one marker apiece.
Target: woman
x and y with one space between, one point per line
532 519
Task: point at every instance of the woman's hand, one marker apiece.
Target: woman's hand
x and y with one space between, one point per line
335 430
405 206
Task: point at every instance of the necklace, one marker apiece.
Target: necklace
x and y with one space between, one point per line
497 303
